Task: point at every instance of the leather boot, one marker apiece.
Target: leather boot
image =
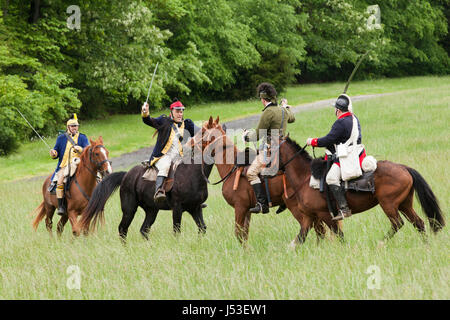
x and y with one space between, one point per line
160 194
261 200
61 208
343 209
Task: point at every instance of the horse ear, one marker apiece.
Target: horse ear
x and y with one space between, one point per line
100 139
210 123
217 120
91 142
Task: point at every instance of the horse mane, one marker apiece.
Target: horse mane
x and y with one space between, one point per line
84 158
297 148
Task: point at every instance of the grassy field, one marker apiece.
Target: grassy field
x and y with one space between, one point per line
409 127
126 133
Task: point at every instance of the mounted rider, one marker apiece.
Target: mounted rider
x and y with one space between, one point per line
67 150
274 117
168 148
340 133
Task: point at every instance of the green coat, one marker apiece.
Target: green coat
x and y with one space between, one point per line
271 119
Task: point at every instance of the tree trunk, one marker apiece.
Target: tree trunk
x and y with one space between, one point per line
5 8
34 10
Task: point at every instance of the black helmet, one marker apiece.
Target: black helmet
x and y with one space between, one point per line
343 103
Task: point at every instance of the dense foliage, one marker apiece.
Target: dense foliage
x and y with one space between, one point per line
208 49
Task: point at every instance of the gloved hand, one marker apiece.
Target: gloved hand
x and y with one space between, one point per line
309 141
53 153
245 135
144 110
78 149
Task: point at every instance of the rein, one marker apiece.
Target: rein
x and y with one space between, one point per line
283 166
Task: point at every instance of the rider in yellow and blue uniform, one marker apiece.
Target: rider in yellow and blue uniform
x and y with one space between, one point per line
68 147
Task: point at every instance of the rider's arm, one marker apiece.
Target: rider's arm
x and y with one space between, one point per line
56 148
333 137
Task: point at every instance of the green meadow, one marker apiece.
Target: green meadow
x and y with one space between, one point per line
411 126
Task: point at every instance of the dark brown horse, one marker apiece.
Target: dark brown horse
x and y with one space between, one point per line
93 160
212 137
394 191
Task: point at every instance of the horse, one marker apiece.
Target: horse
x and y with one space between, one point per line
394 191
188 193
93 161
243 198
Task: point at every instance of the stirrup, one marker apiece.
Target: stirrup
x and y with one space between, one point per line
160 196
343 213
260 208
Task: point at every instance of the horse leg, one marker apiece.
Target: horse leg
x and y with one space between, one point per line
62 222
128 211
406 207
150 217
49 211
197 215
177 212
305 225
320 230
396 221
242 224
336 227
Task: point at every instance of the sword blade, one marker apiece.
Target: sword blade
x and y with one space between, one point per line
354 71
33 128
151 83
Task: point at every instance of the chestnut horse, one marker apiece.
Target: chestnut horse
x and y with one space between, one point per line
243 198
93 160
394 190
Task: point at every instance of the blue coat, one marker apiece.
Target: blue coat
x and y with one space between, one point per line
60 147
163 125
340 132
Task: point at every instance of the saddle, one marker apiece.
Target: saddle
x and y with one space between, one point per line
319 170
364 183
151 173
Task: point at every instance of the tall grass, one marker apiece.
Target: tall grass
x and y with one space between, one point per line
410 128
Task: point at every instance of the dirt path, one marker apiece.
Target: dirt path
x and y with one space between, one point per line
132 158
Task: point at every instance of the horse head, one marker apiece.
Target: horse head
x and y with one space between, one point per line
210 130
97 155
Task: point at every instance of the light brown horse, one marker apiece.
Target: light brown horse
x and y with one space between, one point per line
394 191
93 160
212 137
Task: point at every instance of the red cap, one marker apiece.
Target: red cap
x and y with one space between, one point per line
176 105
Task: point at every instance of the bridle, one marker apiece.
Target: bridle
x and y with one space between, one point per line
195 145
97 164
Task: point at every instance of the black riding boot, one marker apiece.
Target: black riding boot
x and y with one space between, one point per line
61 208
160 194
261 200
343 209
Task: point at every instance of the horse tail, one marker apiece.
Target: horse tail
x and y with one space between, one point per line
41 214
102 192
428 201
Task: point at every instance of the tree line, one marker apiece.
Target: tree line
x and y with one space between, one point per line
97 57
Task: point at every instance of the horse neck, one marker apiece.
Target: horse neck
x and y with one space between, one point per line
299 167
85 174
220 158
